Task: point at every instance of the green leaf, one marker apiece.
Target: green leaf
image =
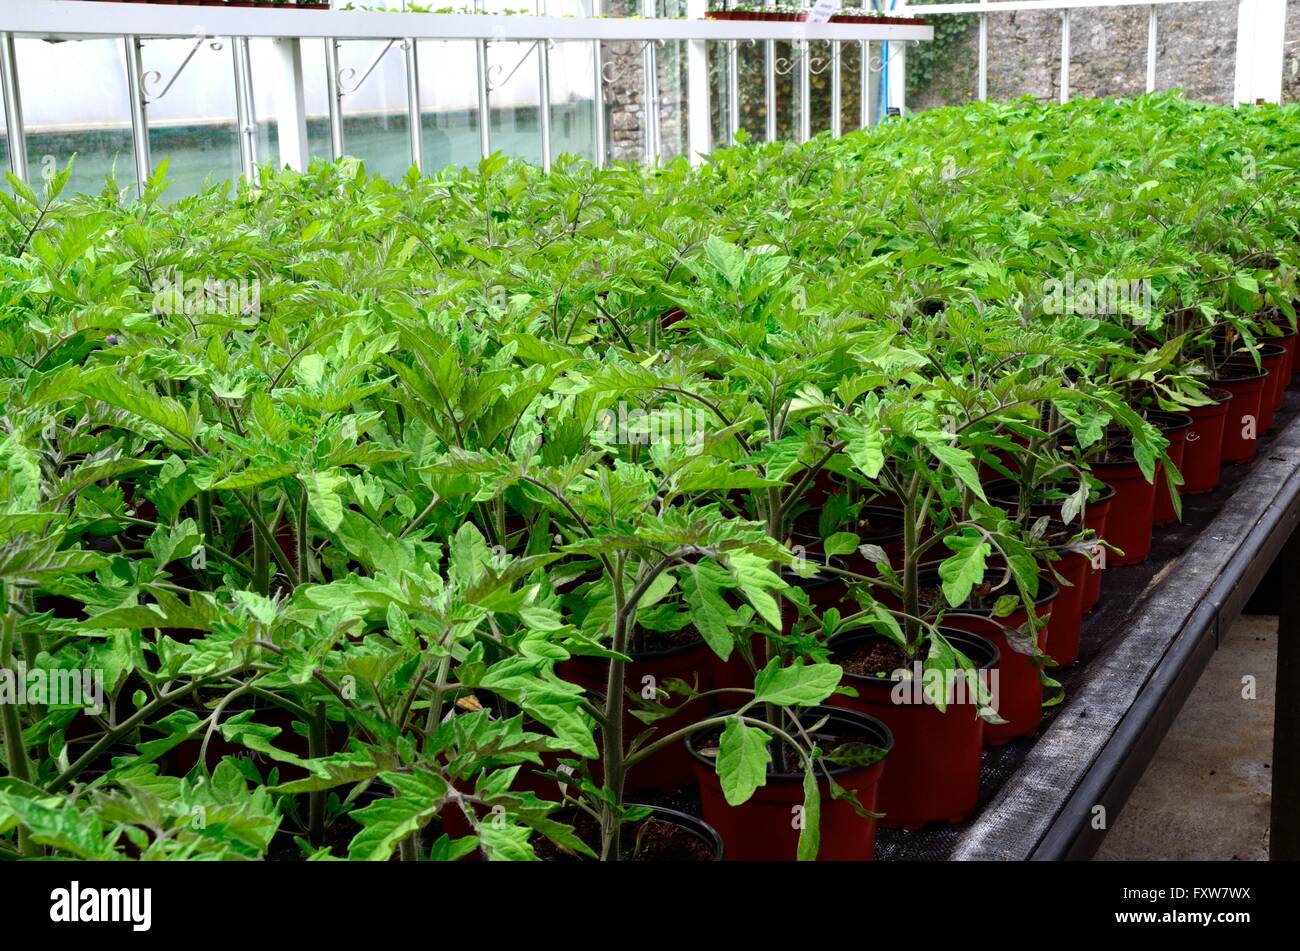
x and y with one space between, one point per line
324 499
743 759
865 446
755 578
841 543
387 822
702 586
800 684
810 834
127 393
965 568
961 464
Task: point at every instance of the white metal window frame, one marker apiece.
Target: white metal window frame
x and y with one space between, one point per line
1258 76
132 23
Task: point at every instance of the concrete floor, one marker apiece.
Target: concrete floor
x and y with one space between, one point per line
1206 793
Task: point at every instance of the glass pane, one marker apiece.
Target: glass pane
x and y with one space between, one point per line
573 87
264 58
316 99
624 122
945 71
513 75
787 115
753 89
448 104
850 85
819 84
375 111
192 125
94 126
719 99
674 99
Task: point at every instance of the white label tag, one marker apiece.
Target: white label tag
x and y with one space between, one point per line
823 10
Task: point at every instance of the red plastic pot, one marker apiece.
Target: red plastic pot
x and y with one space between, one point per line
766 829
1174 427
1132 513
1241 425
1286 341
934 769
1203 444
1067 610
1020 691
1272 357
1005 491
670 768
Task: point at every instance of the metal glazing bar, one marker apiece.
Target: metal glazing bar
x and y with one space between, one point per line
290 104
598 104
1065 56
733 90
864 80
984 58
837 124
650 85
484 104
1152 19
544 100
244 117
805 91
139 115
333 95
769 82
13 107
414 123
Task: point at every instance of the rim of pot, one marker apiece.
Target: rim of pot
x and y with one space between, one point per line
649 655
689 822
953 635
1237 372
1168 422
1266 351
880 735
1105 492
884 511
1047 591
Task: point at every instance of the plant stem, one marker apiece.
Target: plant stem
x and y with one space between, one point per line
317 747
15 751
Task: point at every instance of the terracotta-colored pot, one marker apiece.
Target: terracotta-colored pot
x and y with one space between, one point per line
1132 513
1286 340
1272 357
1005 491
1241 425
766 827
1203 444
1020 693
1067 610
934 770
1174 427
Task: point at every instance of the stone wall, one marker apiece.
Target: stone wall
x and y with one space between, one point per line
1196 50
